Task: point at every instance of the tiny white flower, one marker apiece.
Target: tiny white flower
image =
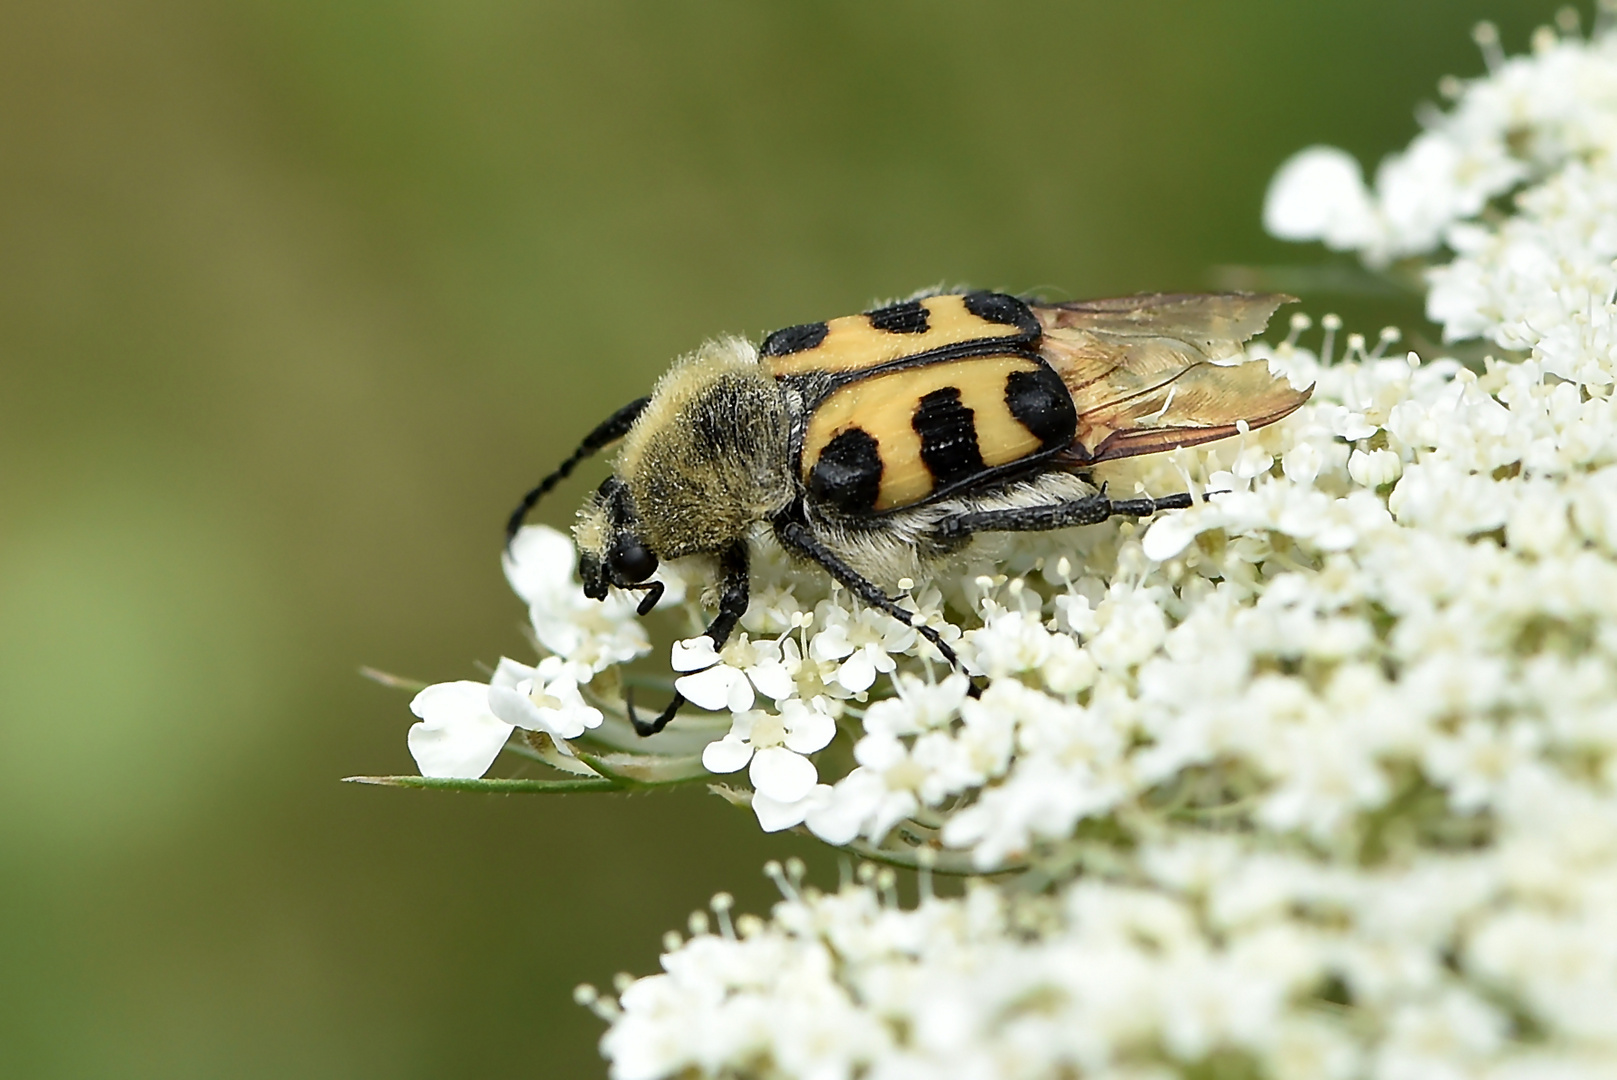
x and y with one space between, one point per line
774 815
1010 641
776 746
544 698
1131 628
1076 615
1169 534
726 678
1374 468
874 797
539 563
1301 463
1440 1038
919 705
1319 194
1069 668
1476 762
465 724
774 608
1252 461
459 735
863 642
813 681
540 566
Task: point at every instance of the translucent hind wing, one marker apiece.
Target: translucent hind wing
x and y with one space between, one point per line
1215 324
1204 402
1145 376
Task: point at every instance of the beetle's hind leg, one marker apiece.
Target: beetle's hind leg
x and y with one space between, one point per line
1090 510
795 536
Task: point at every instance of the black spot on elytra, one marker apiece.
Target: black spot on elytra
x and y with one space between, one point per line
1041 403
948 433
1005 310
848 472
793 339
906 318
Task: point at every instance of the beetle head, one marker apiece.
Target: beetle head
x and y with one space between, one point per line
610 549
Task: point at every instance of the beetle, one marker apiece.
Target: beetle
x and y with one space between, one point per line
878 444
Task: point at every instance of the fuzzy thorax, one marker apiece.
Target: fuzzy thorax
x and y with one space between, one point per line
709 456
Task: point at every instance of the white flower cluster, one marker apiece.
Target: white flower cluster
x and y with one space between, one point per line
827 652
1214 959
1317 778
1530 118
465 724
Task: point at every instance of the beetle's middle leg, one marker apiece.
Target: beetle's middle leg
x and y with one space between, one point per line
798 537
1090 510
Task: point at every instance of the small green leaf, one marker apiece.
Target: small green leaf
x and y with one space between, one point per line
645 769
539 746
735 796
495 786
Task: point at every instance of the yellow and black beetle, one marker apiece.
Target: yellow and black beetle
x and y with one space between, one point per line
876 444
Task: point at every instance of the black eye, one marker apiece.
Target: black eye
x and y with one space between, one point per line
629 561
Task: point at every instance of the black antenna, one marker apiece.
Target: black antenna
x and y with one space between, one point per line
608 431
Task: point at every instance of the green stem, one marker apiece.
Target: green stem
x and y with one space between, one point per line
947 863
492 786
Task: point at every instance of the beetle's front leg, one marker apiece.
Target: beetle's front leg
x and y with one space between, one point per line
734 593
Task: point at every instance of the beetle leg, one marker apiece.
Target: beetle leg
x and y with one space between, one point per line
734 594
798 537
1087 511
648 602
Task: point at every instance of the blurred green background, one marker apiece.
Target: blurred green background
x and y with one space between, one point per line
296 297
